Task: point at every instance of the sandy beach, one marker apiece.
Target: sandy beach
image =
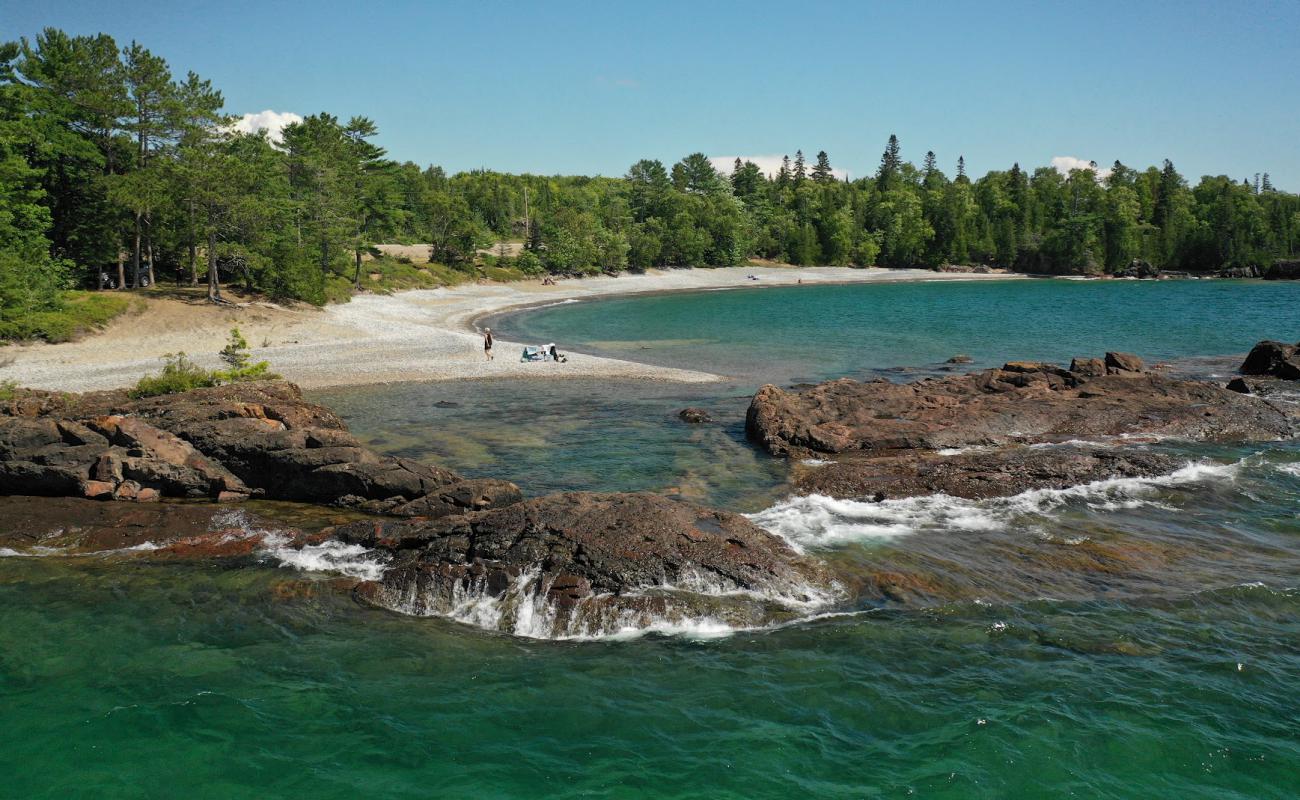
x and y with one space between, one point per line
425 335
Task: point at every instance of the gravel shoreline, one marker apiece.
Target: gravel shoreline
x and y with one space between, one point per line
423 335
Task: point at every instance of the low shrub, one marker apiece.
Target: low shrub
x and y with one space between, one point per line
180 374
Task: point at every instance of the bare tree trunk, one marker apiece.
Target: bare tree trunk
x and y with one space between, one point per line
135 255
356 279
121 270
194 263
152 280
214 280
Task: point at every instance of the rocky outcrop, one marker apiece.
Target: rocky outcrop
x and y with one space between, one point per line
1283 269
1273 359
1020 403
223 443
890 437
980 474
67 526
586 564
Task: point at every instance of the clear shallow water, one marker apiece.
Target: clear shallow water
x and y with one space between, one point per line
1139 640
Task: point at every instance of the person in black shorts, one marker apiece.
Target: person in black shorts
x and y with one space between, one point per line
487 343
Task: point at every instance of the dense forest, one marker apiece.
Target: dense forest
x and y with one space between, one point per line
115 170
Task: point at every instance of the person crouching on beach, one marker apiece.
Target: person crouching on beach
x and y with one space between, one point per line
487 343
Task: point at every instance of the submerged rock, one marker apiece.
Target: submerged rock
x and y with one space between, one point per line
694 416
584 564
65 526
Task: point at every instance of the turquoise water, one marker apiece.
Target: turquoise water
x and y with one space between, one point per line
811 333
1134 641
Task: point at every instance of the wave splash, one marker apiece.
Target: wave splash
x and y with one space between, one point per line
821 521
691 608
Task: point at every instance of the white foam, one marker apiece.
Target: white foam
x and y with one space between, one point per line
524 608
1290 469
36 551
351 560
820 521
701 628
956 451
815 462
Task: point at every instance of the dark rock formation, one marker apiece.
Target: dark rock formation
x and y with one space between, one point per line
1123 362
582 564
1274 359
887 434
979 474
1138 268
694 416
959 359
1023 402
223 443
1283 269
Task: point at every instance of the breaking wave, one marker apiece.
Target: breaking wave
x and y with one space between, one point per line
697 609
351 560
329 557
820 521
1290 469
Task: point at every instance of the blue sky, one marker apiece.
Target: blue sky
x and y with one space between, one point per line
563 87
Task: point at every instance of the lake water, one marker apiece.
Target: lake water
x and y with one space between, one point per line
1132 640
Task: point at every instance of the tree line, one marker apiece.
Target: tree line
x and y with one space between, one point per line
115 170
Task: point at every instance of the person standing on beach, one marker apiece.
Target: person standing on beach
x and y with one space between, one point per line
487 343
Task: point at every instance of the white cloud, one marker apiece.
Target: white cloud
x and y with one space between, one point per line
769 165
1064 164
272 122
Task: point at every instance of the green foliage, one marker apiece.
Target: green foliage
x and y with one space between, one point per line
74 314
103 150
180 374
235 354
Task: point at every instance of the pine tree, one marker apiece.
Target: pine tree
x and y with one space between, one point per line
961 169
890 161
534 236
929 166
783 175
1266 185
822 172
800 174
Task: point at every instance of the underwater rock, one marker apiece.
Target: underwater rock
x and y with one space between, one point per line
71 526
694 416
